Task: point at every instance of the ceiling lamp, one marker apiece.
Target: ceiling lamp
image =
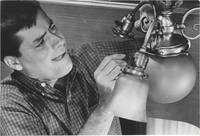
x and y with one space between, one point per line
163 58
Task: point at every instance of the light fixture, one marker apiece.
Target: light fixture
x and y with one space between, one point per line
163 58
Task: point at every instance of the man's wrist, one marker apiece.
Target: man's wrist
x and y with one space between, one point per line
104 111
98 123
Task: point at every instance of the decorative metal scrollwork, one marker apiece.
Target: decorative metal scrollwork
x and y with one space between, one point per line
196 27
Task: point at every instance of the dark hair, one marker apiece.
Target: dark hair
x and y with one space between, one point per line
15 15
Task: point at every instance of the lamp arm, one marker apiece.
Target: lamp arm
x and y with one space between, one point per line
133 12
124 27
141 59
147 36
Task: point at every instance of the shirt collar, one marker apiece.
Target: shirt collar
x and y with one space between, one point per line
42 87
64 84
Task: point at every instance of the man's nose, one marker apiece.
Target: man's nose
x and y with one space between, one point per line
55 41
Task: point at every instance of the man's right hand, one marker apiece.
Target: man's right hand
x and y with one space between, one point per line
107 73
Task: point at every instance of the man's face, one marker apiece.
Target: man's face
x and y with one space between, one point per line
43 50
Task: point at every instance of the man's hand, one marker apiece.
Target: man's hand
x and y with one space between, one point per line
107 73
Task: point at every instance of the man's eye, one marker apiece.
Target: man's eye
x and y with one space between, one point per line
53 29
40 43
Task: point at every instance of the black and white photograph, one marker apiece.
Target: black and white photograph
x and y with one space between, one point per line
100 67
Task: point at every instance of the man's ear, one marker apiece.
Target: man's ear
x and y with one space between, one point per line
13 62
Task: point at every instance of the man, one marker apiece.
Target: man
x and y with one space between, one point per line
51 90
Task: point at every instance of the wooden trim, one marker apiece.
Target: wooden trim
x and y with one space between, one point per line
95 3
108 4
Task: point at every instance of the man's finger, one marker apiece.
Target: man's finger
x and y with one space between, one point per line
112 65
115 72
107 59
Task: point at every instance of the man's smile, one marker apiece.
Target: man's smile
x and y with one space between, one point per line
60 57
